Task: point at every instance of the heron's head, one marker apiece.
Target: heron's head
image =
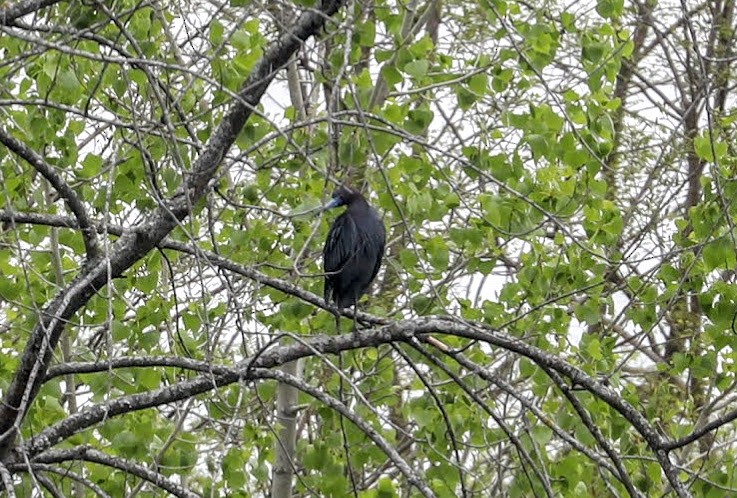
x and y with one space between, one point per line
342 196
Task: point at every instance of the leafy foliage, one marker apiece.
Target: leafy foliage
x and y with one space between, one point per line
555 314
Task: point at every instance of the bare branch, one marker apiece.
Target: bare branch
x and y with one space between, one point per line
9 13
7 481
132 362
401 331
92 455
706 429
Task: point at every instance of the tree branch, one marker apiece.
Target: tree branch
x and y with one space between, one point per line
65 191
9 13
594 430
64 473
49 485
317 345
132 362
425 325
401 331
92 455
211 257
7 481
137 242
509 389
695 435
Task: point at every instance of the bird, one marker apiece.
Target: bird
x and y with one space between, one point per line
353 250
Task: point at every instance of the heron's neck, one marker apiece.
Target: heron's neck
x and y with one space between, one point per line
359 205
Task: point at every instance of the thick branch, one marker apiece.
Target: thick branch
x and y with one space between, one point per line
9 13
398 332
136 243
51 220
274 357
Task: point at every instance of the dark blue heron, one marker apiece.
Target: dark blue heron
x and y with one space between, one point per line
353 250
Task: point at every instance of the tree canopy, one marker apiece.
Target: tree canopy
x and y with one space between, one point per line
555 315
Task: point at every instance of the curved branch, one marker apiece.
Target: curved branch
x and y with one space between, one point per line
132 362
446 419
553 362
398 332
63 473
594 430
402 331
92 455
698 433
130 403
203 383
134 244
524 454
65 191
509 389
48 485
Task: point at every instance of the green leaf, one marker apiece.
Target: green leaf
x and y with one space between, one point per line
417 69
233 468
391 75
385 488
216 32
610 9
466 98
241 39
541 434
69 86
706 147
418 120
720 254
479 83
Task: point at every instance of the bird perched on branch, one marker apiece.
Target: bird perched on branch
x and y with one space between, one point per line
353 250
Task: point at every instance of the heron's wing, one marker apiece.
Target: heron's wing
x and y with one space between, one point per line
327 293
378 241
340 244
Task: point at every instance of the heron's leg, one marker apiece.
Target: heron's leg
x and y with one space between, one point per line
355 313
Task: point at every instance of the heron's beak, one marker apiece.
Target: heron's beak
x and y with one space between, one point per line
330 205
